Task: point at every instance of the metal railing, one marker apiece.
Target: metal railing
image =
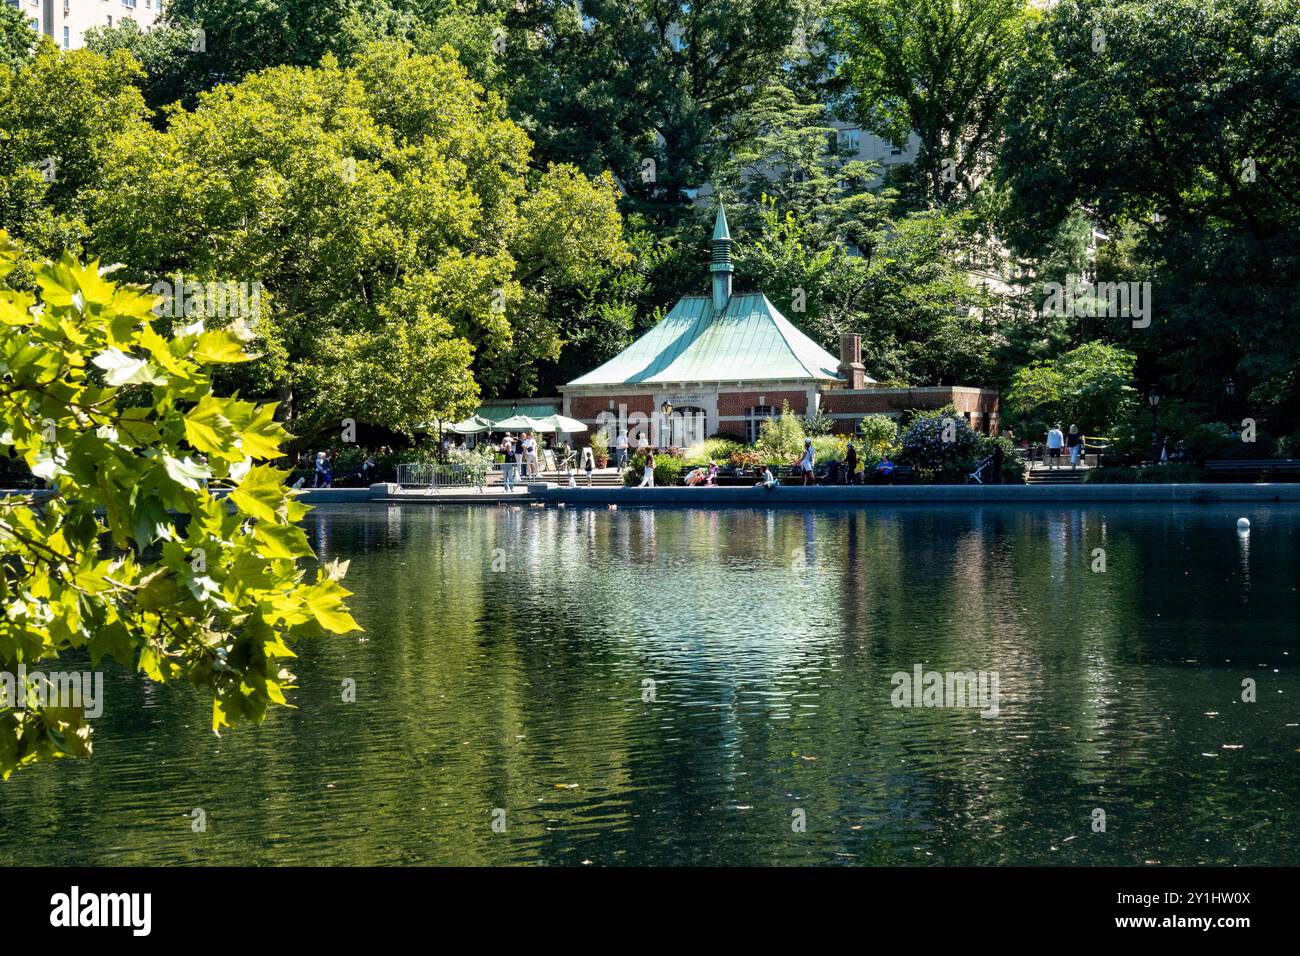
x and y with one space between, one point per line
435 475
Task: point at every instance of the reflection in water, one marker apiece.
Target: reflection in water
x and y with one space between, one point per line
667 686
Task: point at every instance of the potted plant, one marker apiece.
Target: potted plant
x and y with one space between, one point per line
600 448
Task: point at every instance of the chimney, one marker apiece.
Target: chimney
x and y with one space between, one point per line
851 367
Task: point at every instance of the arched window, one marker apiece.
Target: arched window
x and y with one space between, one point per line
754 419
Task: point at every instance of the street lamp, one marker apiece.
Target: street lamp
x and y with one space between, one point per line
1153 396
667 410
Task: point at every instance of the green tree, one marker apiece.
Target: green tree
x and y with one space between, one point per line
1091 386
118 419
938 68
167 57
16 37
59 114
1176 124
400 241
647 87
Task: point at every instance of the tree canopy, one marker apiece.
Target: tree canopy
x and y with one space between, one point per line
398 240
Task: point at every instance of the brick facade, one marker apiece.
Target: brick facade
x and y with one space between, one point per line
727 409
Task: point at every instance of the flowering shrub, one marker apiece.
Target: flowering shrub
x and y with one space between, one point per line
941 444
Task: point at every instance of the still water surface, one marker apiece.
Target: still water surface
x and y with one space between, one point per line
508 654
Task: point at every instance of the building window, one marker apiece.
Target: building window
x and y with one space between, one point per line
66 38
754 419
129 3
895 149
687 426
849 140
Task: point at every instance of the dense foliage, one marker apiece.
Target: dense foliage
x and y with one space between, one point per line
130 555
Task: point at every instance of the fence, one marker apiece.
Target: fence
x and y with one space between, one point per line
436 475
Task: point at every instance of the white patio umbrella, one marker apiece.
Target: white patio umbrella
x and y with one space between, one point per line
559 423
521 423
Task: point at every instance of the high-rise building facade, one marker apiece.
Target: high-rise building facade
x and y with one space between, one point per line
66 21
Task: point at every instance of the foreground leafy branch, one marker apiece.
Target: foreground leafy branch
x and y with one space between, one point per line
130 556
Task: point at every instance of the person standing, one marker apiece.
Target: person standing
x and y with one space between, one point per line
530 455
850 464
807 462
620 451
1055 439
508 465
648 477
1074 441
999 457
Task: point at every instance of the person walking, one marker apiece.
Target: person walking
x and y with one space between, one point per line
807 462
1055 439
648 477
850 464
1074 441
508 465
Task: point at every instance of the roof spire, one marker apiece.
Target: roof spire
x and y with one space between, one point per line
720 230
721 266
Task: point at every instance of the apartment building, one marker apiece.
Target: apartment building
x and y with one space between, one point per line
66 21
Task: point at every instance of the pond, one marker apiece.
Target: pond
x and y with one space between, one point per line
680 686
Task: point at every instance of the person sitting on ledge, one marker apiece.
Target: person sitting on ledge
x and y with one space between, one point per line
712 478
766 479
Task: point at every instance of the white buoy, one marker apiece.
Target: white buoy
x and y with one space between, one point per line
1243 525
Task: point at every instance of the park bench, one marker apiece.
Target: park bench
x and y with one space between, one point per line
1253 470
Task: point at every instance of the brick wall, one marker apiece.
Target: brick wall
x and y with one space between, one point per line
739 403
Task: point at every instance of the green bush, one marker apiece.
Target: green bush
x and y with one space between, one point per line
668 468
1202 440
879 433
712 449
829 448
1178 473
780 440
1013 467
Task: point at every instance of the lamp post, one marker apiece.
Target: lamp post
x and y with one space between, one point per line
1153 396
667 410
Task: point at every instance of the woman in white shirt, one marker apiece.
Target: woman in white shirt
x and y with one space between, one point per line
807 462
648 477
